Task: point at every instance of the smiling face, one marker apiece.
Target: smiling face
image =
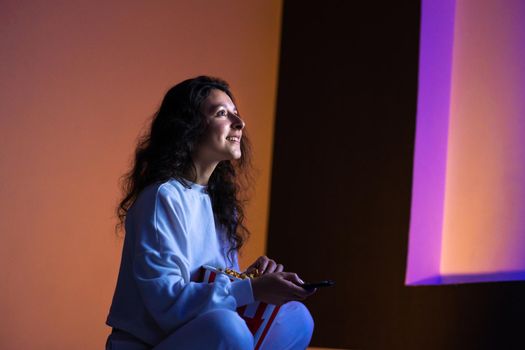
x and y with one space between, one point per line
222 140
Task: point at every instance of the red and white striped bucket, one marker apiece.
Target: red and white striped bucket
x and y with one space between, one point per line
258 315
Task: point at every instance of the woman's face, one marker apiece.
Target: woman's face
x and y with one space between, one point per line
222 141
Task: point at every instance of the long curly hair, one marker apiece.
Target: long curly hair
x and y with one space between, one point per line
165 152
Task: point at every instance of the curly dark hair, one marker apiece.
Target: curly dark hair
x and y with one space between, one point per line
165 152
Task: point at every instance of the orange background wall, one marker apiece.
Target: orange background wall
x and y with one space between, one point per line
79 80
483 222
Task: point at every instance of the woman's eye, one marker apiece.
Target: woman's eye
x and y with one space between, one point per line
221 112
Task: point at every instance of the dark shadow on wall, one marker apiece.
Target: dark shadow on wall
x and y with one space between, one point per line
341 186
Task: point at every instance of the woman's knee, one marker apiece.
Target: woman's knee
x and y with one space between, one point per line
291 329
302 314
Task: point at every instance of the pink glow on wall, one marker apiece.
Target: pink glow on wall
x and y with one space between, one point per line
436 41
468 205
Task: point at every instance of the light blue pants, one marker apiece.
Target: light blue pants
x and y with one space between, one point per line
224 329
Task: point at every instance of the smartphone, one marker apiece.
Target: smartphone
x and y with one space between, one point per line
312 285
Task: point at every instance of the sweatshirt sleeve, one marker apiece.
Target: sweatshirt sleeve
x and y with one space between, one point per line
162 271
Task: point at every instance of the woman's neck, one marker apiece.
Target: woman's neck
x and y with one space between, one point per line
203 172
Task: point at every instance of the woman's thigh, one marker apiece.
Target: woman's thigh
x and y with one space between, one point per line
216 329
292 329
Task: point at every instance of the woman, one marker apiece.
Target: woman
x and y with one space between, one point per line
181 210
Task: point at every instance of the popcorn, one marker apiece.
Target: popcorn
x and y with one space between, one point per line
238 274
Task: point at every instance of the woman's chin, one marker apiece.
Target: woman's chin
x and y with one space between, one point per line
234 156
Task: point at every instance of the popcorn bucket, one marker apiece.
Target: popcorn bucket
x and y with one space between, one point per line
258 315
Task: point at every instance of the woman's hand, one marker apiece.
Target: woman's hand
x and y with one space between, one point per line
279 287
264 265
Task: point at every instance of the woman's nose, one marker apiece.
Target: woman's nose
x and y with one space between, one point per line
237 123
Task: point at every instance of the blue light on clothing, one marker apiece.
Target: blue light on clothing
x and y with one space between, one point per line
170 234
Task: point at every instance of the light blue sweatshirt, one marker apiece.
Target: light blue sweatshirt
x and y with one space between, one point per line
170 234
